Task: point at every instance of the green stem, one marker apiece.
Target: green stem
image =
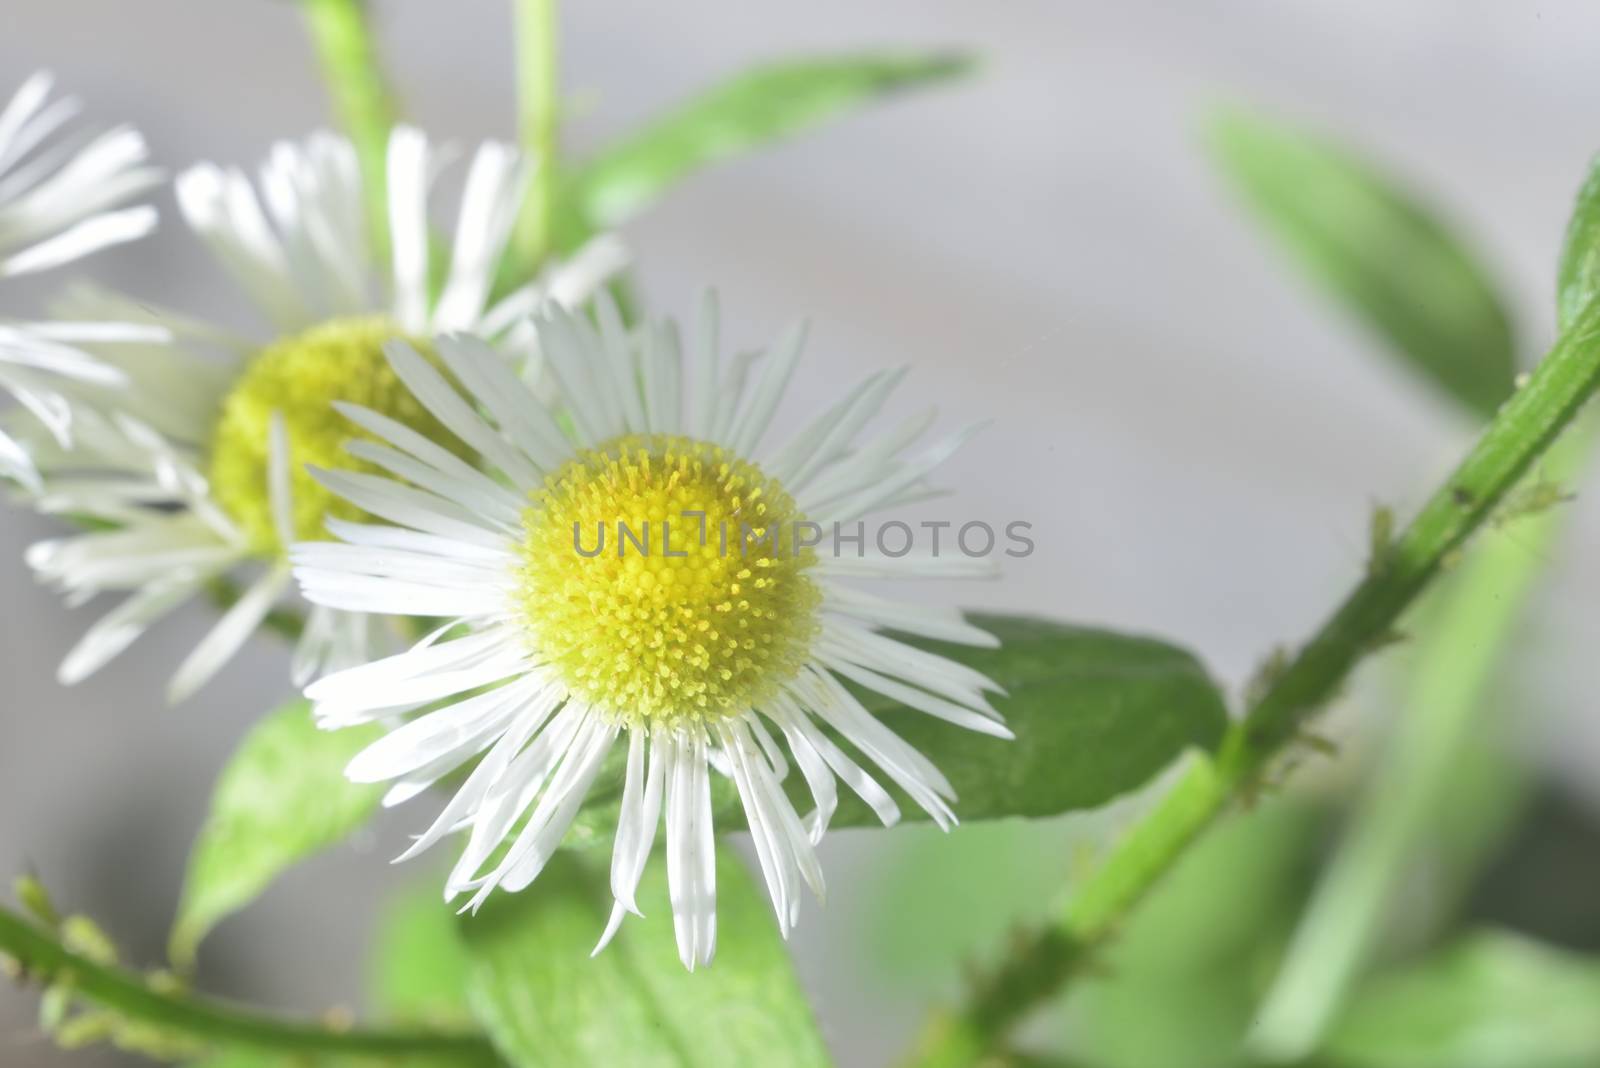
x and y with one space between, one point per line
344 42
537 28
208 1020
1454 665
1519 434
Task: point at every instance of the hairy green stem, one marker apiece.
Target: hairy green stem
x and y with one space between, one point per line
343 38
1444 699
40 953
1519 434
537 28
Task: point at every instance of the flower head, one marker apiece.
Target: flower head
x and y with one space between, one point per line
58 202
197 463
627 575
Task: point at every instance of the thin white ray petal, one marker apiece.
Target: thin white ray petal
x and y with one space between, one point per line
91 235
121 626
756 417
429 387
229 634
940 624
520 415
496 180
408 158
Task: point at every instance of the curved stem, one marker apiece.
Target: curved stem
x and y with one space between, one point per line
1519 434
344 42
209 1020
1455 663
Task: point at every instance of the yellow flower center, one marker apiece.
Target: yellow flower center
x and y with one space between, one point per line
664 582
301 377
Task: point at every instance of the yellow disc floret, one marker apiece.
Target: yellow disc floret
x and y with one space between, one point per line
301 377
664 582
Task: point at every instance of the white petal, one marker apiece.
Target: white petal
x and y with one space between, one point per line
707 353
121 626
489 206
229 634
408 226
430 388
90 235
408 506
637 820
940 624
984 721
757 414
691 851
538 703
522 416
460 731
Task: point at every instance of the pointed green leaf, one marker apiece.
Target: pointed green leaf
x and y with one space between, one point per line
758 107
1497 1000
1096 715
1378 248
282 797
1578 279
547 1004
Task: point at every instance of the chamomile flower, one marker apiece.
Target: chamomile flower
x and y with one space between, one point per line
697 656
59 198
197 464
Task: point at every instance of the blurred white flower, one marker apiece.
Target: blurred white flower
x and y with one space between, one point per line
59 197
196 463
696 652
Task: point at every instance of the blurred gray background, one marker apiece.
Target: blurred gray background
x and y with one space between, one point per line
1197 439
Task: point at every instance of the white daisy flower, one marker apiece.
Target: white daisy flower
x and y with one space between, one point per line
59 198
694 656
197 462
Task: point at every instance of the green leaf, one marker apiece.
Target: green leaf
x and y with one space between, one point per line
419 966
760 106
546 1004
282 797
1096 715
1496 1000
1380 250
1578 278
249 1058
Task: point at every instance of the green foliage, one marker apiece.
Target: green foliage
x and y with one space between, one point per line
248 1058
1496 1000
1096 715
1380 250
938 903
419 967
1181 985
546 1004
1578 277
282 797
756 108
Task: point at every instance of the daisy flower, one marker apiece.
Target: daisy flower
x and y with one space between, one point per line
196 464
695 656
58 202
